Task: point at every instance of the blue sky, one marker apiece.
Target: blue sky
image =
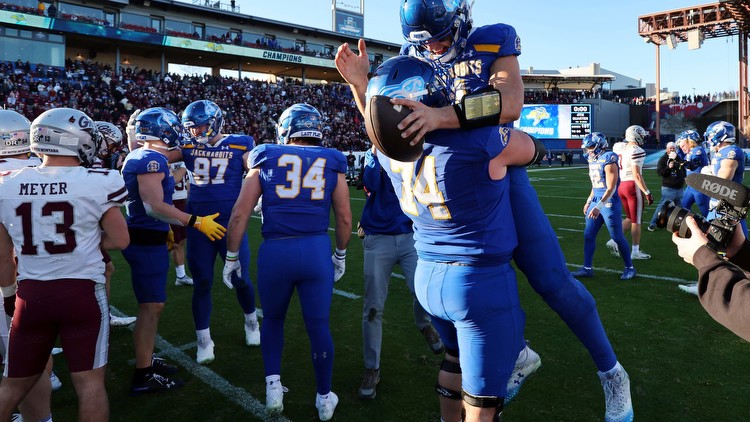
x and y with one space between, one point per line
555 35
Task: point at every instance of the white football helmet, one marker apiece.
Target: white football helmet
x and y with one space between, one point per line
111 138
67 132
14 133
635 134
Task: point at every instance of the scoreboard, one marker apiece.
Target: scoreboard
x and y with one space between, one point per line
555 121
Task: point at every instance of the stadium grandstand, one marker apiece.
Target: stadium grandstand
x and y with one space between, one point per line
108 58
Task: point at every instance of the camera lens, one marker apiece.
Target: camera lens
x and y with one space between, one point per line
672 217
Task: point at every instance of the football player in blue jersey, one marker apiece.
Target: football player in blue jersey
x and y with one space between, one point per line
457 196
481 64
727 162
300 182
216 165
696 159
603 205
149 214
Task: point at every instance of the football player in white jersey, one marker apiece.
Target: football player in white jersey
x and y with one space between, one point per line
179 200
14 155
108 158
49 218
633 189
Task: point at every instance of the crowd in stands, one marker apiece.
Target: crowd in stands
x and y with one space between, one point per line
252 107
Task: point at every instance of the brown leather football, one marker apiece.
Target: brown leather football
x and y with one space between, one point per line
381 121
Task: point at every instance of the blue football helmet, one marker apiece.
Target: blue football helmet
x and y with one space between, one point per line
689 135
159 124
427 21
299 121
408 77
202 113
595 140
718 132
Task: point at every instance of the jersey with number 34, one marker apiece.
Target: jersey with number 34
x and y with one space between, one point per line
297 184
53 213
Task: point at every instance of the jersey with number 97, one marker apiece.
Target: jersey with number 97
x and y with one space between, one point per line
297 184
216 171
460 214
53 213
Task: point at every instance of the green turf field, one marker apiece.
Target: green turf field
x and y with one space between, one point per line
683 366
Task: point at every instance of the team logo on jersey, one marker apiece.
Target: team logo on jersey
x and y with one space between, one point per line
153 166
731 155
504 135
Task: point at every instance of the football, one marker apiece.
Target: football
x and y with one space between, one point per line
381 121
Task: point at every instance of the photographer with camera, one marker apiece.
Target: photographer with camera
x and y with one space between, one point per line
671 168
723 286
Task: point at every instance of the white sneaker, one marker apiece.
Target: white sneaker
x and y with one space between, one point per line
275 397
691 288
54 381
640 255
613 248
326 406
115 321
56 350
616 383
183 281
527 363
205 355
252 333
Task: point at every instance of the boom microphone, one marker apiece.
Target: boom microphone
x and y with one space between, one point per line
735 194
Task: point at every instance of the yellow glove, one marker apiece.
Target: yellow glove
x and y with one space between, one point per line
208 226
170 240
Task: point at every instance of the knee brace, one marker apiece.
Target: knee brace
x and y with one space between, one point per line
453 368
486 402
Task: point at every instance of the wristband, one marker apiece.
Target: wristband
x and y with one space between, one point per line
479 109
191 221
9 291
648 192
232 255
599 205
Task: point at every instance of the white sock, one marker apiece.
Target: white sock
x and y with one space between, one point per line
251 318
636 248
180 270
204 336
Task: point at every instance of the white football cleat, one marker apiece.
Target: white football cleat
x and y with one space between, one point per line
183 281
326 406
205 355
275 397
527 363
640 255
252 333
691 288
115 321
616 383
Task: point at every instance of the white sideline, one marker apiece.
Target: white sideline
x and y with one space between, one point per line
210 378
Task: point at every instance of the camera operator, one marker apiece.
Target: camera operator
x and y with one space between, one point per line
723 286
671 168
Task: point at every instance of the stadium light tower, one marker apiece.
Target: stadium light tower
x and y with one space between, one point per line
693 25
